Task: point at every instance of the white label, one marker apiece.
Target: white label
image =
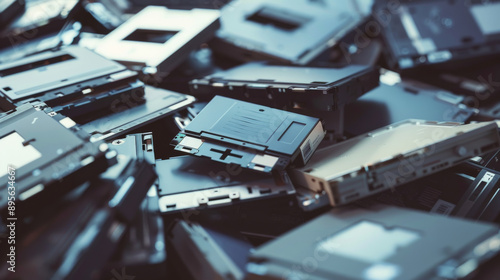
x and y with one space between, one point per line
443 207
368 242
15 154
312 142
191 142
487 17
265 160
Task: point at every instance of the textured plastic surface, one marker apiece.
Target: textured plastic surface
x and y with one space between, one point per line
253 136
384 242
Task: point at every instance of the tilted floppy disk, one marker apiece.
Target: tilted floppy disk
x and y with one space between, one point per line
250 135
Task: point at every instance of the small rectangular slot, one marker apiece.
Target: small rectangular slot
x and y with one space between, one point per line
411 90
265 191
150 36
225 154
214 198
489 147
278 18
